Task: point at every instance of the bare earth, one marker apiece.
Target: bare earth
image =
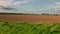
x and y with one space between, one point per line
30 18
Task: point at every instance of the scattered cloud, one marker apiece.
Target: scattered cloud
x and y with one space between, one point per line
17 3
5 2
6 8
54 7
40 9
53 1
25 1
56 4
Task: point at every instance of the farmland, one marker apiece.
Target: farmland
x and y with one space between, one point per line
30 18
28 28
29 24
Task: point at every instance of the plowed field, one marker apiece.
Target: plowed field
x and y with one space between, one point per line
30 18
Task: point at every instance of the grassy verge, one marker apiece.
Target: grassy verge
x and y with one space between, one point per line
28 28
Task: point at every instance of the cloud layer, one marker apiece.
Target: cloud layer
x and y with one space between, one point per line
5 2
25 1
6 8
11 2
56 4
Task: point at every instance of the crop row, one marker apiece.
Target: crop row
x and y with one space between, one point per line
28 28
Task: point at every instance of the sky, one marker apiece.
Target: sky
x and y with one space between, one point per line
31 6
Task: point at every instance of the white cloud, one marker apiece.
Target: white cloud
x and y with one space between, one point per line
5 2
53 1
25 1
57 6
17 3
57 3
10 2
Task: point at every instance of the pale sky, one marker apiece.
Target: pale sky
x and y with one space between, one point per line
32 6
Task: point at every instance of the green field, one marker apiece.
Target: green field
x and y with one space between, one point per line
28 28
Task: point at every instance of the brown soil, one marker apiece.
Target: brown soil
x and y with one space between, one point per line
30 18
